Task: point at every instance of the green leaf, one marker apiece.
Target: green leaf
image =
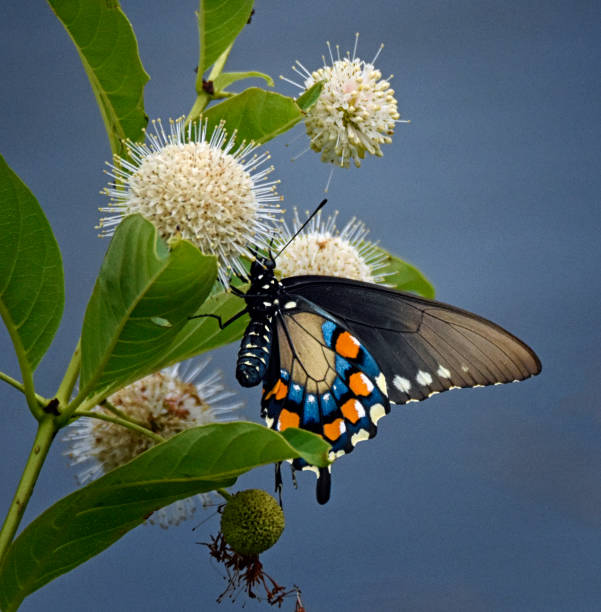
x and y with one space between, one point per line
201 335
140 280
219 23
309 97
32 292
108 50
258 115
225 79
89 520
405 277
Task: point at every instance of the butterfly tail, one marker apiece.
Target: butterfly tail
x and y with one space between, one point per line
324 481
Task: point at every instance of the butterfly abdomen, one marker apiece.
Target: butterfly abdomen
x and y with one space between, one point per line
253 356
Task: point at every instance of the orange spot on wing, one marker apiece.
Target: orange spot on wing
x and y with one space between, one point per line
347 345
352 410
275 388
360 384
332 431
282 391
288 419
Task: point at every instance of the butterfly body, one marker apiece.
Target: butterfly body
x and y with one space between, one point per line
334 353
262 302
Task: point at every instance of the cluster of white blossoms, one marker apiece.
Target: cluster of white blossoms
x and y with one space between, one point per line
356 111
211 192
166 402
320 248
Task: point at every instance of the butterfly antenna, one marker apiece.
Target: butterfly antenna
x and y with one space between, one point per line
302 227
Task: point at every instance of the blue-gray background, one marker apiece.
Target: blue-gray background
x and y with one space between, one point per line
475 500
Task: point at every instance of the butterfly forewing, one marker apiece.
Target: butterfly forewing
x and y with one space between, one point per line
423 347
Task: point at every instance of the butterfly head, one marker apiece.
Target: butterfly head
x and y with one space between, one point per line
262 265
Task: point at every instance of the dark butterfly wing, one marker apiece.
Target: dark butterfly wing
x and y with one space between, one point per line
423 346
321 378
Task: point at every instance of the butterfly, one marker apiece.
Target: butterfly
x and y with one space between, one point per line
334 353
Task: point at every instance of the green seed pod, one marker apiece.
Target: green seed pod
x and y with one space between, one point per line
252 521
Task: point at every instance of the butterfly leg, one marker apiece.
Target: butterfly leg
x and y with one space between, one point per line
278 481
222 325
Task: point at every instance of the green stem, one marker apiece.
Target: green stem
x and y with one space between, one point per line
200 104
39 450
42 401
227 496
122 415
11 381
68 383
219 64
119 421
202 97
24 366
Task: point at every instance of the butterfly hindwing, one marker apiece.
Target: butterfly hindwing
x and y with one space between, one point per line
423 347
321 378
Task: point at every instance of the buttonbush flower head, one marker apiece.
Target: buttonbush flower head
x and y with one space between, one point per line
213 192
321 249
356 111
252 521
166 402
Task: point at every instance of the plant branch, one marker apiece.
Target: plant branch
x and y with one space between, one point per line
24 365
227 496
42 401
203 98
68 383
219 64
122 415
45 434
119 421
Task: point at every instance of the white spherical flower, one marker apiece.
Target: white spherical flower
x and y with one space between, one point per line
167 402
321 249
356 111
211 192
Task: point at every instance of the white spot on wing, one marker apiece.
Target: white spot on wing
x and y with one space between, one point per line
423 378
381 382
402 384
376 412
289 305
311 468
359 436
359 408
443 372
